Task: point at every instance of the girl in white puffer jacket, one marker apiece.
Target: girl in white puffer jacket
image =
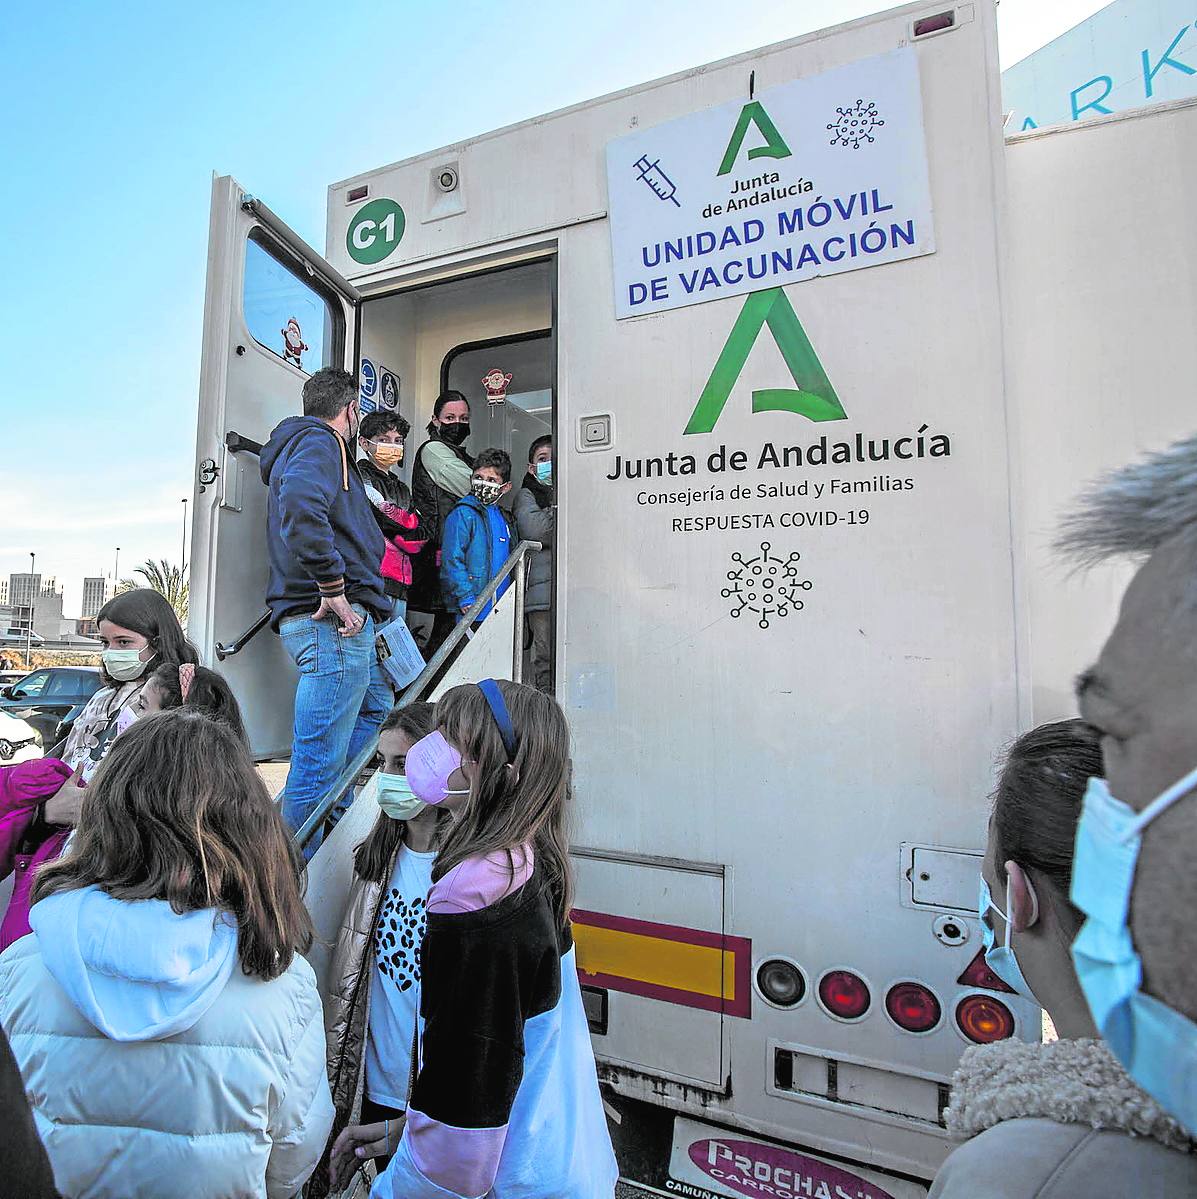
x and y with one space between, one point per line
168 1031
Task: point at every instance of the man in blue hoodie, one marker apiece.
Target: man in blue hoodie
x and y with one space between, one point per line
325 591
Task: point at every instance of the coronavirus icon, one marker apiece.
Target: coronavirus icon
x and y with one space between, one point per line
766 586
856 125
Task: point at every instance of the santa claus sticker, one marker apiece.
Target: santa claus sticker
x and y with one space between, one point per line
293 343
496 384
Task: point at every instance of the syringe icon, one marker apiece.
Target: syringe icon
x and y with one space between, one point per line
650 172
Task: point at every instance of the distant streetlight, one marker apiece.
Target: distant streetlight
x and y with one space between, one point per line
116 569
184 566
29 627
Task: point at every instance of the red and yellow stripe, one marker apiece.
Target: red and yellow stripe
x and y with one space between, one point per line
688 966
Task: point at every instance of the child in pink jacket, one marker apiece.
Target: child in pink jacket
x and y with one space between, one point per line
381 440
26 840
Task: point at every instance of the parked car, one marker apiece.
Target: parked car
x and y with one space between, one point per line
51 698
19 740
15 636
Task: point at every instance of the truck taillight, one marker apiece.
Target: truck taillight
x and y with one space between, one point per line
978 974
780 982
983 1019
913 1007
844 994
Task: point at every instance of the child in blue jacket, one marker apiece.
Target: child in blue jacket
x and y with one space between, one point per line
478 536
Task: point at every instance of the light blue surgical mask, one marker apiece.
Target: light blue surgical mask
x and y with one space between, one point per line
1000 958
1156 1044
544 473
394 795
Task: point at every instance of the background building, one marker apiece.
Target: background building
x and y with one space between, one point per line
97 591
21 587
37 601
1130 53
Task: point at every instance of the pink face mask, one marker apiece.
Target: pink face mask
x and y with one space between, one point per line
430 762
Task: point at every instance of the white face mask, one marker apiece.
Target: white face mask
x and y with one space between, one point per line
124 665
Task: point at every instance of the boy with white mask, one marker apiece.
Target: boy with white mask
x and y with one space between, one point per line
478 536
1136 956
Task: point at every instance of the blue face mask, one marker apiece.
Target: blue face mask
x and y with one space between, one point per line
1157 1045
544 473
394 795
1000 958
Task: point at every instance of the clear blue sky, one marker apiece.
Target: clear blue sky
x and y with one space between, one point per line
116 115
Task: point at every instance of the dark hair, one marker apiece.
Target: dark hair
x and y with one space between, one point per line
499 460
372 858
209 693
449 396
546 439
1037 803
328 393
178 812
148 612
528 803
377 423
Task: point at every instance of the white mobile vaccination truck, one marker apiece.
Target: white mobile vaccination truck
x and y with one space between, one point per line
786 317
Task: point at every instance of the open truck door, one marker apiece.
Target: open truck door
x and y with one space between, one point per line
274 312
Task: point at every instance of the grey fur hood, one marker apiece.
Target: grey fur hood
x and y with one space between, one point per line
1070 1082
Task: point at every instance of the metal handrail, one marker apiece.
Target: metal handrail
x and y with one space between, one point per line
238 443
235 647
300 248
518 562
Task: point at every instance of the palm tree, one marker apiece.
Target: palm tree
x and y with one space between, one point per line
168 580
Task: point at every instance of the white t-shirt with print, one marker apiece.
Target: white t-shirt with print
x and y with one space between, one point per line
395 978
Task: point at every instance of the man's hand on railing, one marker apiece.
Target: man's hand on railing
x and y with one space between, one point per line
419 688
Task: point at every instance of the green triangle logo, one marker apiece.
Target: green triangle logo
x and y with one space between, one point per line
812 397
774 147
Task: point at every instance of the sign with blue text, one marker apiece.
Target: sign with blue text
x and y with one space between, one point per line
815 177
1131 53
368 380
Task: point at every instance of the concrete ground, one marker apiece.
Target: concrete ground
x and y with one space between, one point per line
274 775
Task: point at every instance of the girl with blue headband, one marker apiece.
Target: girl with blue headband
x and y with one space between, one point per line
502 1038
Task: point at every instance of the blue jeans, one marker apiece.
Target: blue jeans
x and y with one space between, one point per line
342 699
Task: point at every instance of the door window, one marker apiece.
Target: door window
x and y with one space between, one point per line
288 315
88 683
527 411
62 682
32 685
